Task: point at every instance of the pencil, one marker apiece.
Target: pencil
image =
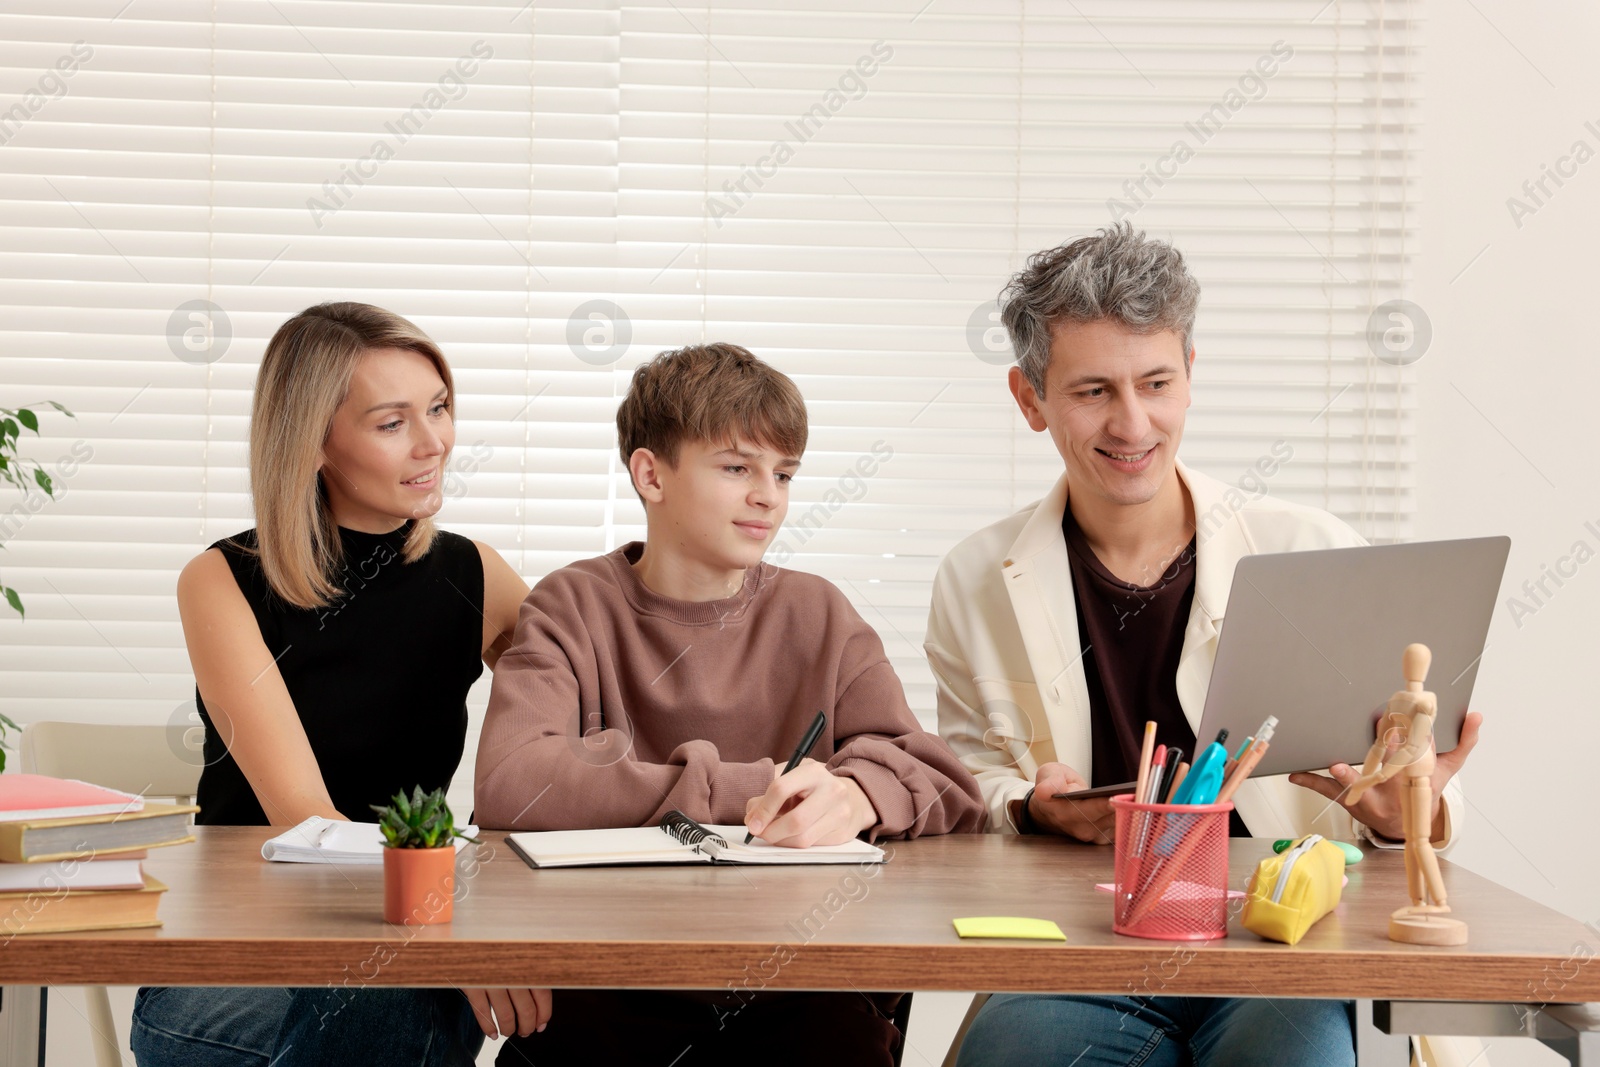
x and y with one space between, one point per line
1140 824
1247 763
1227 768
1146 753
1177 780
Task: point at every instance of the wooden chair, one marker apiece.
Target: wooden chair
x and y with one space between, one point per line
156 761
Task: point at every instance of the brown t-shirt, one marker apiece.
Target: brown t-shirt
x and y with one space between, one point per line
1132 637
616 705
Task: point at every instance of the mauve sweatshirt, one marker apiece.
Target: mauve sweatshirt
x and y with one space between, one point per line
616 705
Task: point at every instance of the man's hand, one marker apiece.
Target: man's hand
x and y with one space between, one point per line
810 806
1379 807
1092 821
518 1011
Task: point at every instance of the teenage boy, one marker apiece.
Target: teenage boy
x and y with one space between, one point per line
1056 633
679 674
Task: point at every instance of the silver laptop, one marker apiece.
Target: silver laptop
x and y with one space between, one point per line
1315 639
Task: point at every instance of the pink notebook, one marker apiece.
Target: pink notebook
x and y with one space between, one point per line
38 796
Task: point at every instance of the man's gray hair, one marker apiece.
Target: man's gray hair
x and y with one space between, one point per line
1118 274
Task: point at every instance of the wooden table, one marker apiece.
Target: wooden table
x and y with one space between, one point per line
232 919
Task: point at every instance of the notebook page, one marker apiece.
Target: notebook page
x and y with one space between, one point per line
577 848
319 840
759 851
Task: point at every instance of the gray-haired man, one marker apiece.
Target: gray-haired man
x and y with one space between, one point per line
1056 633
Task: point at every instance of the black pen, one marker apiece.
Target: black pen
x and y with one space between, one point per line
807 743
1174 757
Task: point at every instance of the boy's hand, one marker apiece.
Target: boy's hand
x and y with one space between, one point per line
810 806
519 1011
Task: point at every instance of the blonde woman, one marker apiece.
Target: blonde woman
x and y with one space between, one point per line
333 646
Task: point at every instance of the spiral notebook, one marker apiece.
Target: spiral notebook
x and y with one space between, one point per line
677 839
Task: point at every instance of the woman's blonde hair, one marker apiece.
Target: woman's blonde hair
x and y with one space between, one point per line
305 375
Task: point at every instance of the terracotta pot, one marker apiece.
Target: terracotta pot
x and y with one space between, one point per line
419 885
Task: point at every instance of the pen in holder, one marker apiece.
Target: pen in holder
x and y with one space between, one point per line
1171 870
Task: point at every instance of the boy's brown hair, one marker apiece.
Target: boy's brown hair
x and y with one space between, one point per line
711 392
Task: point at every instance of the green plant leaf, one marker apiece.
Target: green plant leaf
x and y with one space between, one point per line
28 419
5 724
9 428
44 481
14 600
423 820
61 408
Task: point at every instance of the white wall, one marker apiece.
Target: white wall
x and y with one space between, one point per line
1514 335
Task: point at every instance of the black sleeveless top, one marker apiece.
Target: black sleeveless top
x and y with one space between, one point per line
379 677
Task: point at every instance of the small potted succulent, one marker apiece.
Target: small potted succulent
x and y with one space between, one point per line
419 857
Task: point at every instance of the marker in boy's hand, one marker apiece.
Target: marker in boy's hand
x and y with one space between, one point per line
810 805
801 751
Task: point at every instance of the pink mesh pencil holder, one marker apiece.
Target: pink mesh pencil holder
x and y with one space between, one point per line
1172 870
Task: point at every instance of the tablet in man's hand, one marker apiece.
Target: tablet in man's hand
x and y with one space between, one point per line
1099 791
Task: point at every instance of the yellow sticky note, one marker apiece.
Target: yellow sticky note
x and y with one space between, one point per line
1006 926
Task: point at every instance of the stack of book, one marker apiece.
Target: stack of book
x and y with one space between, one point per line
71 852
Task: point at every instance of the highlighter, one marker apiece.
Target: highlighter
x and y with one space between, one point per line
1204 780
1199 786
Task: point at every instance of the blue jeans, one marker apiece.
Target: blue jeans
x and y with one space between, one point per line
257 1026
1030 1030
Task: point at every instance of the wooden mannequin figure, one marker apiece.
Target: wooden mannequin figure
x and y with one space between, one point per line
1410 715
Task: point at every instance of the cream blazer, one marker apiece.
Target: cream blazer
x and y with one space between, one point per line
1003 644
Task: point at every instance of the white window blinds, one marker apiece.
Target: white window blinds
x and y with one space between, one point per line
558 192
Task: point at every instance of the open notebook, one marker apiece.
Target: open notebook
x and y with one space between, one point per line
678 839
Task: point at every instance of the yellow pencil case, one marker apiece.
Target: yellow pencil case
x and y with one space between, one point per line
1292 890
